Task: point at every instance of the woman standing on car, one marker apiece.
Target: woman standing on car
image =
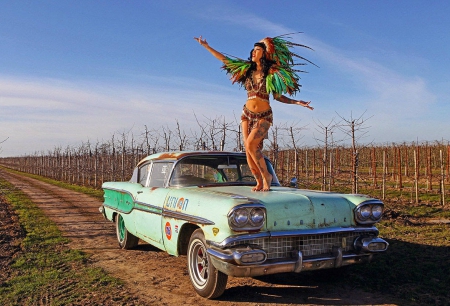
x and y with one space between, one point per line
267 71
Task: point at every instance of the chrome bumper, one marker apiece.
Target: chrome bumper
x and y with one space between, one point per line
230 261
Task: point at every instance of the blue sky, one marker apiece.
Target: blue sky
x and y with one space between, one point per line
73 71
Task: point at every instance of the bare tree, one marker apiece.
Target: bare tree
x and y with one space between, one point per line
181 138
3 142
151 139
200 140
327 142
224 129
355 129
167 135
295 136
213 133
274 146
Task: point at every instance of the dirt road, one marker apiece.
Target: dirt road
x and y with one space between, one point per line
160 279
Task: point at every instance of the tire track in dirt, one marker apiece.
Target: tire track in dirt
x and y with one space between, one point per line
160 279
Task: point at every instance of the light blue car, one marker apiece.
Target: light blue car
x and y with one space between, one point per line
201 204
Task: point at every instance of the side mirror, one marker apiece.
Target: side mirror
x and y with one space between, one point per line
293 182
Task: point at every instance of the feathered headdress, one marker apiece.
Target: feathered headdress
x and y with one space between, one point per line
278 50
282 77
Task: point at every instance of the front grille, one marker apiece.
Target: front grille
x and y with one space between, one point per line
309 245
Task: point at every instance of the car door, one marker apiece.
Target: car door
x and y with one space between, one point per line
149 202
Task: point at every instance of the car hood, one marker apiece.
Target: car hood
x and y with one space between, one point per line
289 208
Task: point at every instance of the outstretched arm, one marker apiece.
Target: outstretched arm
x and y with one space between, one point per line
215 53
287 100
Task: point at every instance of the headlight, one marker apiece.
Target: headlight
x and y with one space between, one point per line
247 217
377 212
369 212
257 216
365 212
240 217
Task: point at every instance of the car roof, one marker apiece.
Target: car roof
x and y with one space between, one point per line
176 155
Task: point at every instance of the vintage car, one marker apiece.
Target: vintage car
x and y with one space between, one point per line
201 204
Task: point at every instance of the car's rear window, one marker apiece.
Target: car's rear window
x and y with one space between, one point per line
201 170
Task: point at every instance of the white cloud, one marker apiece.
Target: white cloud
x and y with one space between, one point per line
41 114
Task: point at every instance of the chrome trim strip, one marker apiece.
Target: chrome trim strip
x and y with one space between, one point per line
306 232
293 265
220 256
153 209
371 201
337 253
186 217
116 209
320 231
252 203
299 263
119 190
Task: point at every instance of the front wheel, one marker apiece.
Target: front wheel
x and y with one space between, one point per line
206 279
126 239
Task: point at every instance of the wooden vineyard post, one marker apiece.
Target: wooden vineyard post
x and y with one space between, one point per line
418 163
374 168
406 161
314 165
296 167
429 170
442 179
400 181
324 169
355 163
416 176
448 163
306 164
331 171
384 175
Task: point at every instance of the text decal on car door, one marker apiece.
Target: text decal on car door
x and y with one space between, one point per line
177 203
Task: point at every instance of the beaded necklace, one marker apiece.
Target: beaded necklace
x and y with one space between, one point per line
259 90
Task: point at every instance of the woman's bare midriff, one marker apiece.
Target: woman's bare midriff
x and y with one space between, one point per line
257 105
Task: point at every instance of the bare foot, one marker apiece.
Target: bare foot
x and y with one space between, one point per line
267 182
259 185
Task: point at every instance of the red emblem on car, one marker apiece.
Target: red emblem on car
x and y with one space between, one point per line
168 231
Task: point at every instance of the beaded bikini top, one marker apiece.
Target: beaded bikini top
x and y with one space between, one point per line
256 91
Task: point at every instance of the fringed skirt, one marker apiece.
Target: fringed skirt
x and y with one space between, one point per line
253 119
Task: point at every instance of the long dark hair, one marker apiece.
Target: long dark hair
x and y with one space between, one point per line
265 62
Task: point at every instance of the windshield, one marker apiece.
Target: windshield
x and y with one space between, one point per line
205 170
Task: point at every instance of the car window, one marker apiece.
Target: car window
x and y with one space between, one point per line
159 174
193 174
143 174
201 170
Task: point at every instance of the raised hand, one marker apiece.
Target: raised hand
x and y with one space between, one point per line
201 41
305 104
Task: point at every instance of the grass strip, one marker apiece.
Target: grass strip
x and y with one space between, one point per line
96 193
46 271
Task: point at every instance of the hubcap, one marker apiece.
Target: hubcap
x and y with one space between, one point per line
121 228
199 264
